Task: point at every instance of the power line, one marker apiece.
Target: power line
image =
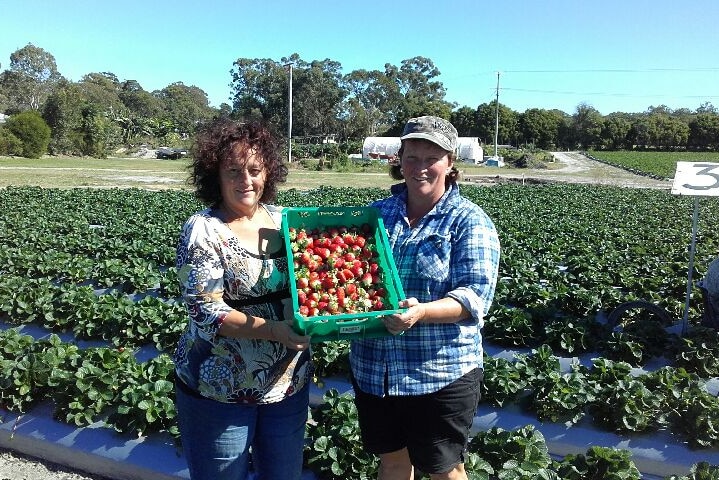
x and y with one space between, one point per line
620 70
606 94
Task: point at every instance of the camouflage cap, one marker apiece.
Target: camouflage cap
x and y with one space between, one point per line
436 130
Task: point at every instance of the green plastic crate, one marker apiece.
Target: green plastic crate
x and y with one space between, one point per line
346 326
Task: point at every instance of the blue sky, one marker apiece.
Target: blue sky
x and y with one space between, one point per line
615 55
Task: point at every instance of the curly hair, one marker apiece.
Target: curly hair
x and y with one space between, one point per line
395 171
218 142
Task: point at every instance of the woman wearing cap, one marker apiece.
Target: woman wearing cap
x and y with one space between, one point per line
417 391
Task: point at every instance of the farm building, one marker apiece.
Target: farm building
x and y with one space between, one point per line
386 148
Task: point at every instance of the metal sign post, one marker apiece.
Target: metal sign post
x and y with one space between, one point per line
696 179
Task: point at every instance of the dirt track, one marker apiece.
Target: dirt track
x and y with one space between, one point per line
573 167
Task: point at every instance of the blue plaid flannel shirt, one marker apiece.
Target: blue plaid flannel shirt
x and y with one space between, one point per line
452 252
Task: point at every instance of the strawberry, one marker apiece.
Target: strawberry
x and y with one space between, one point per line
360 241
336 271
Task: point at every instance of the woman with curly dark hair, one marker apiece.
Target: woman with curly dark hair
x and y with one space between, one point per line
242 373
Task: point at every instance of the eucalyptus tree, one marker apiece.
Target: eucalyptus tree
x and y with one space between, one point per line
63 113
421 92
508 132
371 99
30 79
102 90
317 98
587 126
704 131
667 132
464 120
186 106
260 89
540 127
615 131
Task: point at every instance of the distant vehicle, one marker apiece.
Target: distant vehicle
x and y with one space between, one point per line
174 153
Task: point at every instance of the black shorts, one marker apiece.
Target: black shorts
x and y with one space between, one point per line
433 427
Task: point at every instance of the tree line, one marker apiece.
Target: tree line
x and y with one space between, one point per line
100 113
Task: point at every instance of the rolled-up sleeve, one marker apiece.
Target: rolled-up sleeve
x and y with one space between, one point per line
475 267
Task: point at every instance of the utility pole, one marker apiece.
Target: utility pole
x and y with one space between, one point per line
496 123
289 111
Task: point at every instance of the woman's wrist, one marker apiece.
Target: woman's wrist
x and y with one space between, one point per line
274 331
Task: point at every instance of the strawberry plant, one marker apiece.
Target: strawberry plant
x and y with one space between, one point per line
698 352
517 454
503 381
573 336
561 397
510 326
334 449
92 387
622 403
145 402
699 471
331 359
599 463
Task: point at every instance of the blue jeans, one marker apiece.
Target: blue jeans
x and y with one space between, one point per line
216 437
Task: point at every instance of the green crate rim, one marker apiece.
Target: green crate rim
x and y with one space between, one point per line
346 326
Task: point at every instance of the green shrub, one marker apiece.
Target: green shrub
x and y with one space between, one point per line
9 143
32 131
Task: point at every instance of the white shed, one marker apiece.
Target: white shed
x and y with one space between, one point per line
385 148
380 147
469 150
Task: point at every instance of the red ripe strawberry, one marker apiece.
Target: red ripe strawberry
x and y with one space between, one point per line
357 270
304 310
373 268
301 297
366 279
315 284
323 252
305 258
377 304
328 282
302 283
339 262
348 239
350 289
341 296
360 241
349 257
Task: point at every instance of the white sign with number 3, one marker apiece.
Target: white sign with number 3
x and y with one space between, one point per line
696 178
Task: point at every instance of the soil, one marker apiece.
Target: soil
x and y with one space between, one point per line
571 167
14 466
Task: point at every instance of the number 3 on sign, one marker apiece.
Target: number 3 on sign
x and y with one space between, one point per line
696 178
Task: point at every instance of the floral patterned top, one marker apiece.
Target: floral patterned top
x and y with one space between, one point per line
213 266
